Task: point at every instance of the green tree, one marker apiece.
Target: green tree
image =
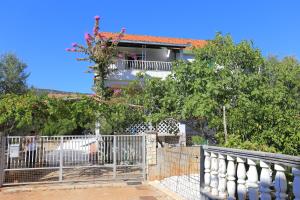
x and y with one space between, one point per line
12 74
19 114
261 96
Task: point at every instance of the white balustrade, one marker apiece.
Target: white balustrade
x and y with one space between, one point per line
296 183
252 180
231 177
222 177
214 174
265 181
145 65
220 180
241 175
207 171
280 182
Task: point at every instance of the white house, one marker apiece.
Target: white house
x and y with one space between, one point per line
151 55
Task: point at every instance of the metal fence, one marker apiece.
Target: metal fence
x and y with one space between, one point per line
31 159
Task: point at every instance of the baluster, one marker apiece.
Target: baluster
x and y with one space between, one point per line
222 177
296 183
214 174
207 171
265 181
241 175
280 182
231 177
252 182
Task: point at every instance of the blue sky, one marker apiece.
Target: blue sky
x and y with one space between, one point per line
39 31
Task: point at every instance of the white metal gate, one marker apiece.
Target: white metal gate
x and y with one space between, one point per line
31 159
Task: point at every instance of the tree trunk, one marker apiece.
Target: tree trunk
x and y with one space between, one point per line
225 123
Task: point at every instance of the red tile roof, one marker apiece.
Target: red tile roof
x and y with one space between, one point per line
169 40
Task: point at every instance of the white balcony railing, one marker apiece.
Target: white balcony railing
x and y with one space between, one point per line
145 65
234 173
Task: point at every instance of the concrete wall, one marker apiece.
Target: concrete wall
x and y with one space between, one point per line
175 161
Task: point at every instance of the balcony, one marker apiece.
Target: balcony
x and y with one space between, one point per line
144 65
127 70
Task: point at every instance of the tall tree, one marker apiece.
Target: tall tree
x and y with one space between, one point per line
12 74
261 96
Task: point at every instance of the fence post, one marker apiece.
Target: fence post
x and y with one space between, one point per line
144 155
2 158
115 157
202 157
61 159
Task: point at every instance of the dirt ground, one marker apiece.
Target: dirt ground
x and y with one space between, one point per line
137 192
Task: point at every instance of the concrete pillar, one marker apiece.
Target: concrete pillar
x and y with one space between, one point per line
151 153
182 134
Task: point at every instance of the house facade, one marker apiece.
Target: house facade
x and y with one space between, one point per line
151 55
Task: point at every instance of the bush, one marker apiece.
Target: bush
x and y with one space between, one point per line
198 140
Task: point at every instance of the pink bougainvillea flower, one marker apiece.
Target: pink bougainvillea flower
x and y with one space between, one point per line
87 36
68 49
73 49
74 44
97 17
123 30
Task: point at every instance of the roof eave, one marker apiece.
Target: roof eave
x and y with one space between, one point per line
156 43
